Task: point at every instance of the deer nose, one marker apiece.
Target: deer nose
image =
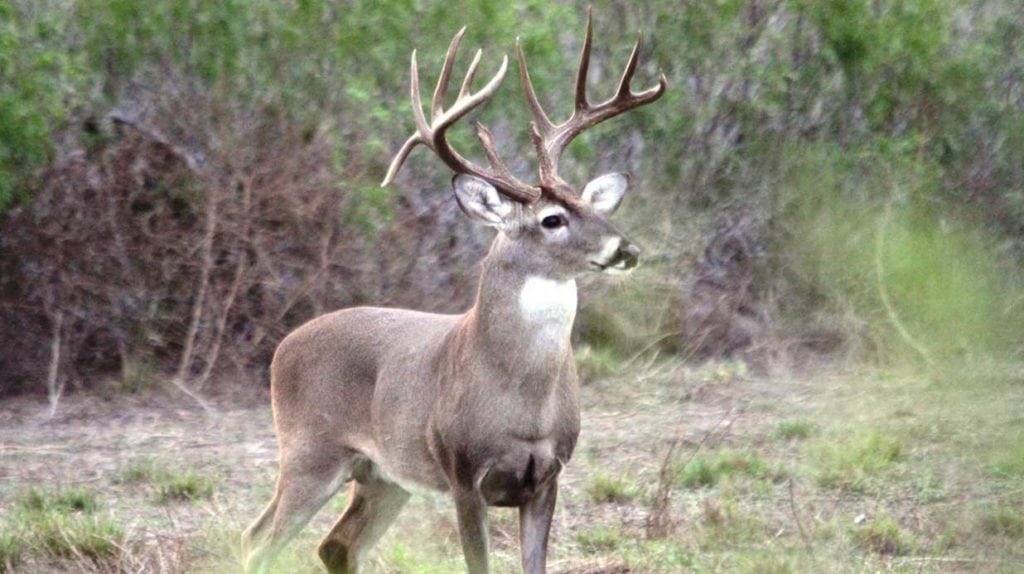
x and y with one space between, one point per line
629 254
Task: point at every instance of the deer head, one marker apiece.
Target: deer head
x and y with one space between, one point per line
563 231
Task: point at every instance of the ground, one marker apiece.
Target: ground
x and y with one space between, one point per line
679 468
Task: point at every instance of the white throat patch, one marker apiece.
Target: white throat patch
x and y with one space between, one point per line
548 301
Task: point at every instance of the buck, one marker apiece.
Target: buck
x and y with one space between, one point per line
482 404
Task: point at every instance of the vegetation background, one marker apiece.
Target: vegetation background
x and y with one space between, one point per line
832 184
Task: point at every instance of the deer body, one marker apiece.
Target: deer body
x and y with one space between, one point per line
423 395
483 404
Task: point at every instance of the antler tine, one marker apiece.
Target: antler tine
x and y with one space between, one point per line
627 75
467 82
422 127
540 119
436 103
584 67
422 135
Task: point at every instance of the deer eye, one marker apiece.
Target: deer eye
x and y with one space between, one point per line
553 221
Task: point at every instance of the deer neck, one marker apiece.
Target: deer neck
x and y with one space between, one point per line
522 317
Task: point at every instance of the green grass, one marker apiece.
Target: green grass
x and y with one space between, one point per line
792 429
187 486
850 464
728 524
1003 521
66 500
605 488
1009 462
597 362
60 524
77 536
415 559
142 470
705 470
169 484
13 547
883 536
599 540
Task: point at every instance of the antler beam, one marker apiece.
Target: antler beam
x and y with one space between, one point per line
432 134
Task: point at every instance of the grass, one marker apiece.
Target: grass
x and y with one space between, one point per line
77 536
850 463
138 471
12 548
1009 462
61 524
169 484
187 486
600 540
883 536
853 443
792 430
705 470
1003 521
67 500
606 488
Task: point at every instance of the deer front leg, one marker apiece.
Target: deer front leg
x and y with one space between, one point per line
534 525
471 509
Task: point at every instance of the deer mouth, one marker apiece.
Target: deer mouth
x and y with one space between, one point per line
618 265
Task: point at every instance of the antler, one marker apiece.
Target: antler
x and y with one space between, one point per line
432 135
551 140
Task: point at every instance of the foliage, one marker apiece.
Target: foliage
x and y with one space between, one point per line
240 145
39 77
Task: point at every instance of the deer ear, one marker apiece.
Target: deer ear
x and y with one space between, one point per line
481 201
605 193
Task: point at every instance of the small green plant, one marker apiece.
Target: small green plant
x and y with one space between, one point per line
72 536
187 486
607 488
708 470
849 464
698 473
138 471
727 523
12 548
883 536
1003 521
793 429
599 540
62 501
597 362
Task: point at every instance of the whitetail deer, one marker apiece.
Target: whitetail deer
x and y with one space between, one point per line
483 404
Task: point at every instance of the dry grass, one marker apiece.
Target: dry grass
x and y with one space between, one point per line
832 472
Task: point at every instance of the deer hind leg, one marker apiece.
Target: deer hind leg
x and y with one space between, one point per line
375 504
305 483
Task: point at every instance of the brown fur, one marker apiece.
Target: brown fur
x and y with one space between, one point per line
484 404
